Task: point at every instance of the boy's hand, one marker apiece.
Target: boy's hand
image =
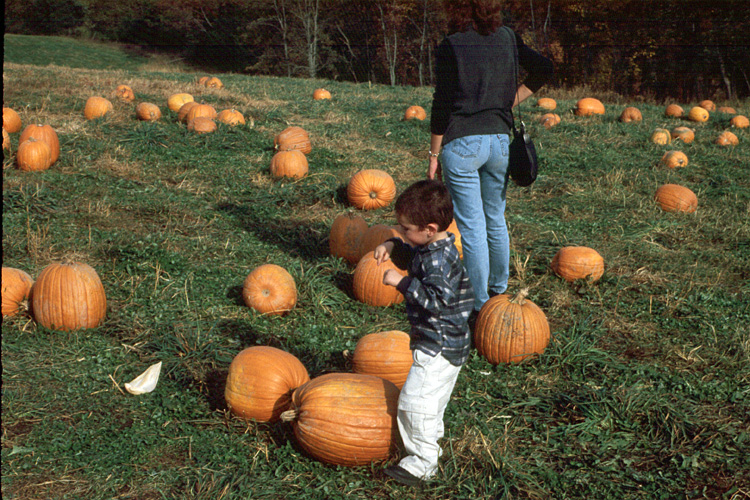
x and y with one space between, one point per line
392 277
383 252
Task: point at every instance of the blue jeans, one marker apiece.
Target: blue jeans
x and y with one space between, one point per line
475 169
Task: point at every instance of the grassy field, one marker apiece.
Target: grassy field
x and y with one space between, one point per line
643 392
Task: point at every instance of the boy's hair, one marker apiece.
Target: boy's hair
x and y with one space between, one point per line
426 202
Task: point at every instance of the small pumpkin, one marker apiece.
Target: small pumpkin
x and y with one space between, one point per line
549 120
578 262
44 133
675 159
260 383
270 289
201 125
202 80
319 94
739 121
683 134
205 110
6 140
631 114
213 83
184 110
292 164
589 106
676 198
345 236
68 295
510 329
96 107
546 103
33 155
384 354
147 111
698 114
370 189
124 93
375 235
415 112
368 286
661 136
674 111
293 138
727 138
230 117
11 120
708 105
16 290
346 419
176 101
727 110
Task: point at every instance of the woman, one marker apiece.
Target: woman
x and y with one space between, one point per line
471 119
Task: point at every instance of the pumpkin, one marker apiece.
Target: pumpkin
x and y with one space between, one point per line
147 111
727 138
16 288
176 101
11 120
631 114
319 94
698 114
385 354
727 110
44 133
213 83
260 382
510 329
675 159
415 112
201 125
453 228
683 134
291 164
661 136
96 107
674 111
184 110
202 80
368 286
739 121
346 235
205 110
589 106
230 117
124 93
346 419
577 262
270 289
370 189
6 140
68 295
293 138
547 103
676 198
549 120
707 105
33 155
375 235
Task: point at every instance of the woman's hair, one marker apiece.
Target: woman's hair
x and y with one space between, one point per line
485 16
426 202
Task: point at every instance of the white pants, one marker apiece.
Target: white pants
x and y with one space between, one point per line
421 406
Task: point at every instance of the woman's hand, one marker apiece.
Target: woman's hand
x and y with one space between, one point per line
435 170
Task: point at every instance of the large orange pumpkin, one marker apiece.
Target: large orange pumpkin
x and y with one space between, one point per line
727 138
577 262
384 354
370 189
549 120
346 419
214 83
661 136
147 111
739 121
415 112
261 381
683 134
231 117
676 198
16 289
708 105
201 125
11 120
675 159
6 140
45 133
270 289
203 109
698 114
345 236
293 138
368 284
319 94
728 110
184 110
510 329
124 93
96 107
33 155
292 164
374 236
674 111
68 296
631 114
547 103
589 106
176 101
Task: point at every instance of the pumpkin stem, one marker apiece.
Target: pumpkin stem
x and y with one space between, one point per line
289 415
520 297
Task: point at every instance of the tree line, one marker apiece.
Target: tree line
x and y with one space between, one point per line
681 49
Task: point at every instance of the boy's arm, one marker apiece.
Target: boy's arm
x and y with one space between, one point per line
433 292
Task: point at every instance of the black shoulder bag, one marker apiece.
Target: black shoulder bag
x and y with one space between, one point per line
522 163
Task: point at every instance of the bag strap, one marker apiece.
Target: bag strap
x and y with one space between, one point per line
515 67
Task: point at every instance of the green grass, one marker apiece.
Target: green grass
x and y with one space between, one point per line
641 394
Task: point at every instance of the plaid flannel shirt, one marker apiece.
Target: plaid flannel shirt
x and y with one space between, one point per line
438 297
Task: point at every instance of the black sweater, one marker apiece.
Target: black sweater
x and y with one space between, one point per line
476 82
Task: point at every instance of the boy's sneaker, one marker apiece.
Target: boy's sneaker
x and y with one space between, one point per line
403 476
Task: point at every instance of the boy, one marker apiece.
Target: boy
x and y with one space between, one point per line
439 299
